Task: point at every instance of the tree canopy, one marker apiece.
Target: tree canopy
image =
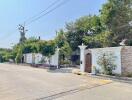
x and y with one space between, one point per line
108 28
115 16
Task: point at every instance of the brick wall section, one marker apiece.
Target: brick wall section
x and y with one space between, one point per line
126 59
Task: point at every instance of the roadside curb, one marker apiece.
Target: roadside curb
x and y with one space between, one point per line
113 78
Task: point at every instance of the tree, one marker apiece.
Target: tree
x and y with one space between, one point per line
31 45
77 31
115 16
48 48
63 45
65 53
60 38
73 38
19 55
66 50
5 54
98 40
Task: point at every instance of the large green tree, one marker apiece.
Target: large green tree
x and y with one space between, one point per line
48 48
33 45
5 54
63 45
115 16
85 27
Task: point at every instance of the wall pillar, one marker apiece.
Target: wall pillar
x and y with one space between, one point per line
82 57
57 53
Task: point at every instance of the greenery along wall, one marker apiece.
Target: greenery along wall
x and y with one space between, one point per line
108 28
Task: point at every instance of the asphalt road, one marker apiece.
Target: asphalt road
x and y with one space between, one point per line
27 83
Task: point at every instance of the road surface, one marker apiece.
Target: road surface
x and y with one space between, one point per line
27 83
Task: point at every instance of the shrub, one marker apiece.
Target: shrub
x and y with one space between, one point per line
107 63
19 56
63 62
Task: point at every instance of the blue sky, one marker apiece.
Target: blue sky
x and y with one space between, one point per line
14 12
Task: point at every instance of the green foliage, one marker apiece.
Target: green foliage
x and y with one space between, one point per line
106 29
99 40
86 23
115 16
5 54
64 62
33 45
129 42
107 63
61 42
66 50
79 29
48 48
19 55
60 39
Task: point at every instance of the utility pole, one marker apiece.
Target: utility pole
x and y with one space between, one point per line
22 31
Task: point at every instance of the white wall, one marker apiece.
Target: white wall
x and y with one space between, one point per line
28 58
54 60
37 57
114 50
32 58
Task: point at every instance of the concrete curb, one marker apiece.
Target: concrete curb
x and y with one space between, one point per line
114 78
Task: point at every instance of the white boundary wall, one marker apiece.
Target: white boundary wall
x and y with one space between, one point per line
36 58
31 58
114 50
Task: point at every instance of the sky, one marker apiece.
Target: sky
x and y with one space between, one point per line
15 12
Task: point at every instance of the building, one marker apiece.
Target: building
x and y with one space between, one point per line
123 58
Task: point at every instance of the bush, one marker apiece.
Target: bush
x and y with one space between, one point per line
129 42
19 56
107 63
64 62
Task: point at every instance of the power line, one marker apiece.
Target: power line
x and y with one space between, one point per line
8 34
54 3
51 10
37 18
14 31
